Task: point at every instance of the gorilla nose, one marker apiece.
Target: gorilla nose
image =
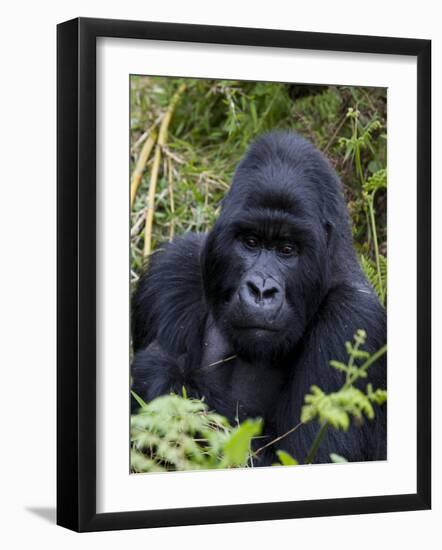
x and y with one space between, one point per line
257 291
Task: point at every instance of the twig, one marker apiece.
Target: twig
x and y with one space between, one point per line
140 140
155 169
335 133
146 134
141 163
316 442
278 438
168 153
221 361
136 226
171 199
376 245
206 198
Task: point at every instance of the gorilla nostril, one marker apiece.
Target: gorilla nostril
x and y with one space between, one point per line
254 290
269 293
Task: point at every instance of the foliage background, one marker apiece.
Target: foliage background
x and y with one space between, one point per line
210 129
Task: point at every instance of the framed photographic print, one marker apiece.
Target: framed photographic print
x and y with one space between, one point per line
227 301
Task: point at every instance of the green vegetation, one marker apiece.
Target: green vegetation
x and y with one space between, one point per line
187 137
336 409
177 433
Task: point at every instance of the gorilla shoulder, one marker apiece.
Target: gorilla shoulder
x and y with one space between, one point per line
168 304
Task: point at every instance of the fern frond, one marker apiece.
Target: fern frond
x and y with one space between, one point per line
369 268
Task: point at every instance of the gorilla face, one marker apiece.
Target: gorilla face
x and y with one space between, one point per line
278 246
263 273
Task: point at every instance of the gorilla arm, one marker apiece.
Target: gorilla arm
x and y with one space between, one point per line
175 341
157 371
168 316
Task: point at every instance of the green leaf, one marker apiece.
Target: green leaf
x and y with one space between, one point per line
138 399
338 366
286 459
337 459
377 181
237 448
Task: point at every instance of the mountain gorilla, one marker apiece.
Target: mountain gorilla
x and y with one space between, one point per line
249 315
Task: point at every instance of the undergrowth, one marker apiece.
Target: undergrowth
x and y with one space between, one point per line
175 432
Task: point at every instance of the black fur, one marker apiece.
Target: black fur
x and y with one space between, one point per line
277 285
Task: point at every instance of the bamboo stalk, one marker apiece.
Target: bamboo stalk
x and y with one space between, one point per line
141 164
155 169
171 199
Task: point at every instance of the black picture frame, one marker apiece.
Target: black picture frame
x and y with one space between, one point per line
76 273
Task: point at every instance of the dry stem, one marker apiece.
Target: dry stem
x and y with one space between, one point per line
155 169
278 438
141 163
171 198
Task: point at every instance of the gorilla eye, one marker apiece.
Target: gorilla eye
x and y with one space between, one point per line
287 249
250 241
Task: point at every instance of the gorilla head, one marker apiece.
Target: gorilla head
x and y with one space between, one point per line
273 253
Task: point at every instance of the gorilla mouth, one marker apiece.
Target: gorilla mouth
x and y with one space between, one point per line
266 328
